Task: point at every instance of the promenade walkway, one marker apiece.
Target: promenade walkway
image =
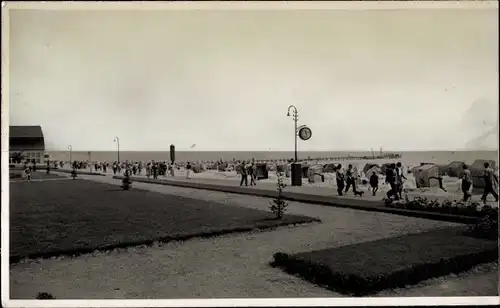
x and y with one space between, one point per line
304 194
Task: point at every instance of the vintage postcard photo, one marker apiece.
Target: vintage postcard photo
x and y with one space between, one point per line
280 151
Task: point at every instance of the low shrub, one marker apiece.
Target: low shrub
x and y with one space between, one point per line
44 295
126 182
487 226
14 175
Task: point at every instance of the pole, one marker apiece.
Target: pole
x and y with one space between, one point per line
117 140
70 150
296 119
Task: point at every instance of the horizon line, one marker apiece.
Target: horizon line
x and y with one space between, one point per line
270 150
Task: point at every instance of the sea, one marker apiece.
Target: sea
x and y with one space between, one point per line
408 157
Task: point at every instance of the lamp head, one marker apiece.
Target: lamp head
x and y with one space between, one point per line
288 114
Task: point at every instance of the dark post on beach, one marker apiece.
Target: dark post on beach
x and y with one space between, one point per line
172 153
70 150
296 167
117 140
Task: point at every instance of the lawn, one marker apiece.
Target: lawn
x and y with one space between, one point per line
50 218
369 267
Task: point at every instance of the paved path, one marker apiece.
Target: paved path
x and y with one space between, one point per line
227 266
313 190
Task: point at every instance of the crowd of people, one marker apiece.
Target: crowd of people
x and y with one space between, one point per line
151 168
247 170
345 180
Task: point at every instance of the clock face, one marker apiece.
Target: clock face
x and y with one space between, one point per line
305 133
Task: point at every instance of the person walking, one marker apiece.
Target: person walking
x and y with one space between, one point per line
466 182
491 181
399 179
374 183
339 177
148 170
251 173
155 170
390 178
188 170
350 180
244 175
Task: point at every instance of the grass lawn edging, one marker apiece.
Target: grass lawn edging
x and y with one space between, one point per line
357 204
123 245
347 279
79 172
93 216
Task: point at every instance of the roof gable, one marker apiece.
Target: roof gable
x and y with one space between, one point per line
34 131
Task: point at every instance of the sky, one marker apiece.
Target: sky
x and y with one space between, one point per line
223 80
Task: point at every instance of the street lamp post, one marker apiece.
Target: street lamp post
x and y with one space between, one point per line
295 120
117 140
70 150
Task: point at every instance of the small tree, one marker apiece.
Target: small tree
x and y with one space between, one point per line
73 174
17 157
126 182
278 205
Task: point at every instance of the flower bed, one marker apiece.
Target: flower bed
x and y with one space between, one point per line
472 209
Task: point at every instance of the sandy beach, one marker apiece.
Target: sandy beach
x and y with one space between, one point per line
451 184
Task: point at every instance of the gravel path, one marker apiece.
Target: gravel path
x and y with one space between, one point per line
228 266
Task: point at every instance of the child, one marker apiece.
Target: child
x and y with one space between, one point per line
374 183
27 172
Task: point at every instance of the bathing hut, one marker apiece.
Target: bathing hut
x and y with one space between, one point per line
426 176
305 170
455 168
368 167
288 170
384 167
375 169
198 168
271 167
424 163
329 168
222 167
315 174
261 171
442 169
281 168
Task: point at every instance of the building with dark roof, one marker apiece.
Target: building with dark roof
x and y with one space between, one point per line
26 143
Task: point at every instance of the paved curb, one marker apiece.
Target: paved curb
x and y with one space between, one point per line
357 204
